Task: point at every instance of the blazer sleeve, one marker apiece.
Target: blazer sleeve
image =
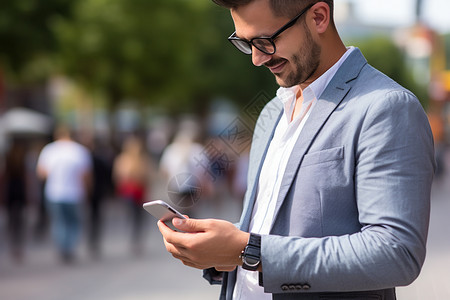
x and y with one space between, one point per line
393 172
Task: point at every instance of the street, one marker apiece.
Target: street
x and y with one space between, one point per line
119 275
432 283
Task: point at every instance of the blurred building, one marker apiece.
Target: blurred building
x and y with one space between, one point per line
427 53
351 27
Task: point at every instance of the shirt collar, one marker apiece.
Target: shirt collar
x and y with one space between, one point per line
287 96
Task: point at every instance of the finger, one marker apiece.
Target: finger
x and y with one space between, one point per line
165 231
186 260
171 236
163 228
225 268
189 225
194 265
174 249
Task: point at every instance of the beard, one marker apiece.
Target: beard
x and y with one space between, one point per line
304 63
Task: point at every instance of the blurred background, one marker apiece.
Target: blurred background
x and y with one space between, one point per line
156 84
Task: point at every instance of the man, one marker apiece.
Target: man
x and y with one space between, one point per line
66 167
340 171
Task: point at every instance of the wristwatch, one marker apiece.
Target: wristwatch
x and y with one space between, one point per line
251 255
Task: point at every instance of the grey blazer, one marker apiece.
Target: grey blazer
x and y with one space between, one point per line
352 215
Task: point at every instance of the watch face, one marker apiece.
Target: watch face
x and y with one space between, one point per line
251 261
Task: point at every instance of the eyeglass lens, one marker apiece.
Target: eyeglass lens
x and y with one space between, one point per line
243 46
263 45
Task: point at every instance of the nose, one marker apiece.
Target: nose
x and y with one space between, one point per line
259 58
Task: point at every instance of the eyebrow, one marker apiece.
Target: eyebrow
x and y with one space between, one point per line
255 37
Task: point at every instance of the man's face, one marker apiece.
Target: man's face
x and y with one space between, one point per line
297 55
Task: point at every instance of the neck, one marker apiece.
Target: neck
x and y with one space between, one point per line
298 104
332 49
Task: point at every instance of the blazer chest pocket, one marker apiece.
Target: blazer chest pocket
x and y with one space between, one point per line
323 156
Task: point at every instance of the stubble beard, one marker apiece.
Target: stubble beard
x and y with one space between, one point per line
305 63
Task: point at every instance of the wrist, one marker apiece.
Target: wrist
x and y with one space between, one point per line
242 243
251 255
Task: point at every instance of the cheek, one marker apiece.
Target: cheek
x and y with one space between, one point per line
287 47
293 40
293 52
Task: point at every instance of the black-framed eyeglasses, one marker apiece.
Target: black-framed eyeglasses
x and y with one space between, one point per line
264 44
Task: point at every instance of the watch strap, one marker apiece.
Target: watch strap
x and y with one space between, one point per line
251 256
254 240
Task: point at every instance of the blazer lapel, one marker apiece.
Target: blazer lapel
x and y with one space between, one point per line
264 131
334 93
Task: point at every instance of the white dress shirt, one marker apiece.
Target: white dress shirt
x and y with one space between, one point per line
274 166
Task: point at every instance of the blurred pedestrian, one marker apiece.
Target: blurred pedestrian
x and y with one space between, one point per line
179 167
102 157
437 127
131 175
35 191
67 168
239 184
15 178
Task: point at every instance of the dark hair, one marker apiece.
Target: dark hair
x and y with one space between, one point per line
280 7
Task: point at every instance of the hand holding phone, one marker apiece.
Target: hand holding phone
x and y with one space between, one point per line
163 211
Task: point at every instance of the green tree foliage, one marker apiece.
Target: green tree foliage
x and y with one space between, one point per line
26 36
171 53
383 54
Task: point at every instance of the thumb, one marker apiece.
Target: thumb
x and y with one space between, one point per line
187 225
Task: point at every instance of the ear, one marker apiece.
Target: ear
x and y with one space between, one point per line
321 15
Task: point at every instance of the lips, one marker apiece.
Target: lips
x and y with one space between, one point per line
276 67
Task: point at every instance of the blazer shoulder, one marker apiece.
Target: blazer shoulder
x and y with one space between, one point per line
380 86
366 79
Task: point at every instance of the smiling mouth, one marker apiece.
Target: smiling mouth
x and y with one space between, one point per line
276 67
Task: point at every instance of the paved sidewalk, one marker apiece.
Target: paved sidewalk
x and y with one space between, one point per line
433 282
118 275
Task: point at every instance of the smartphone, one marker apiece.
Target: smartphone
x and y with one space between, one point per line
163 211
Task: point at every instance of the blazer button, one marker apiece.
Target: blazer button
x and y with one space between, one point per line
298 287
306 286
292 287
285 287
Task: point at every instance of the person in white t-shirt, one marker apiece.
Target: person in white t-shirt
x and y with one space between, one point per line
66 167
